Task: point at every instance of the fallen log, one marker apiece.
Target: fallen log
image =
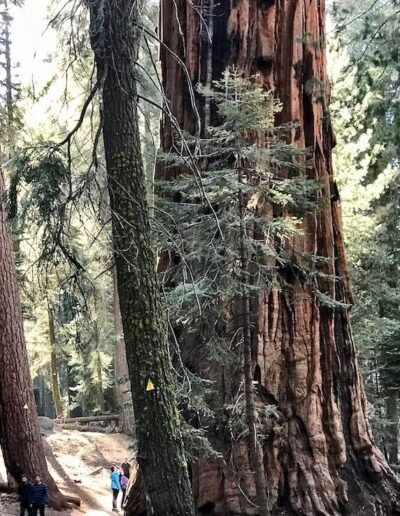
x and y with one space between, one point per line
87 419
96 471
86 428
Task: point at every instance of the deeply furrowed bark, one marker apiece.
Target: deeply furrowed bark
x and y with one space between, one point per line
320 459
115 42
20 438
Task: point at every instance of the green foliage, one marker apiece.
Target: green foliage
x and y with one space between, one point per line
59 208
47 174
367 37
240 196
366 109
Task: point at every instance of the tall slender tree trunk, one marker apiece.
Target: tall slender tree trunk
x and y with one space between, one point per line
255 450
123 386
392 413
115 40
55 385
100 389
8 77
320 458
99 366
20 438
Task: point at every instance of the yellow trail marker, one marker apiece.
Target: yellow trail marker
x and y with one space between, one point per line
26 407
150 385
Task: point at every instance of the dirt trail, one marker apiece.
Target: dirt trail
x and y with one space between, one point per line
80 464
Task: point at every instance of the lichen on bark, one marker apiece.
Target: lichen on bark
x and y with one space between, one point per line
115 37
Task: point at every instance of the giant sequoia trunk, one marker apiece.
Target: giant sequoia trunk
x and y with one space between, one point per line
20 438
320 458
115 41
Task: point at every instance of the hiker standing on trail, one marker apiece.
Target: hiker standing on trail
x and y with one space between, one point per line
126 469
25 496
124 481
39 497
115 486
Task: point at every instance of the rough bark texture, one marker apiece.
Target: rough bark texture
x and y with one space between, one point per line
136 501
321 458
20 438
115 41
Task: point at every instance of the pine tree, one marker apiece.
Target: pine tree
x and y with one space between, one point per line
115 40
367 108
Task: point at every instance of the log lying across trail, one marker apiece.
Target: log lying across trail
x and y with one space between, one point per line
86 428
86 419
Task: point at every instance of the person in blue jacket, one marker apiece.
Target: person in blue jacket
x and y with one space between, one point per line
115 486
39 496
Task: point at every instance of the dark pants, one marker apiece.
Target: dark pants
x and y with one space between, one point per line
26 508
123 498
38 509
115 493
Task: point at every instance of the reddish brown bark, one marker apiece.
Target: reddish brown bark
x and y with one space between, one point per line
320 458
20 438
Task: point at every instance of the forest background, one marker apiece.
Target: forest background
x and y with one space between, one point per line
64 251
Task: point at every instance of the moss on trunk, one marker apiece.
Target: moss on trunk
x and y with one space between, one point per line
115 41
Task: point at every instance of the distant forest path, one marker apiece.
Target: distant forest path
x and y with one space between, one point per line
80 464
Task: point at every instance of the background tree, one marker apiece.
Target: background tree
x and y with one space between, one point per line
22 449
366 107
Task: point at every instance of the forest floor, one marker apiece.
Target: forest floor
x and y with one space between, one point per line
80 464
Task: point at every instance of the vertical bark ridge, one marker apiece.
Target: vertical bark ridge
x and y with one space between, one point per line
123 387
